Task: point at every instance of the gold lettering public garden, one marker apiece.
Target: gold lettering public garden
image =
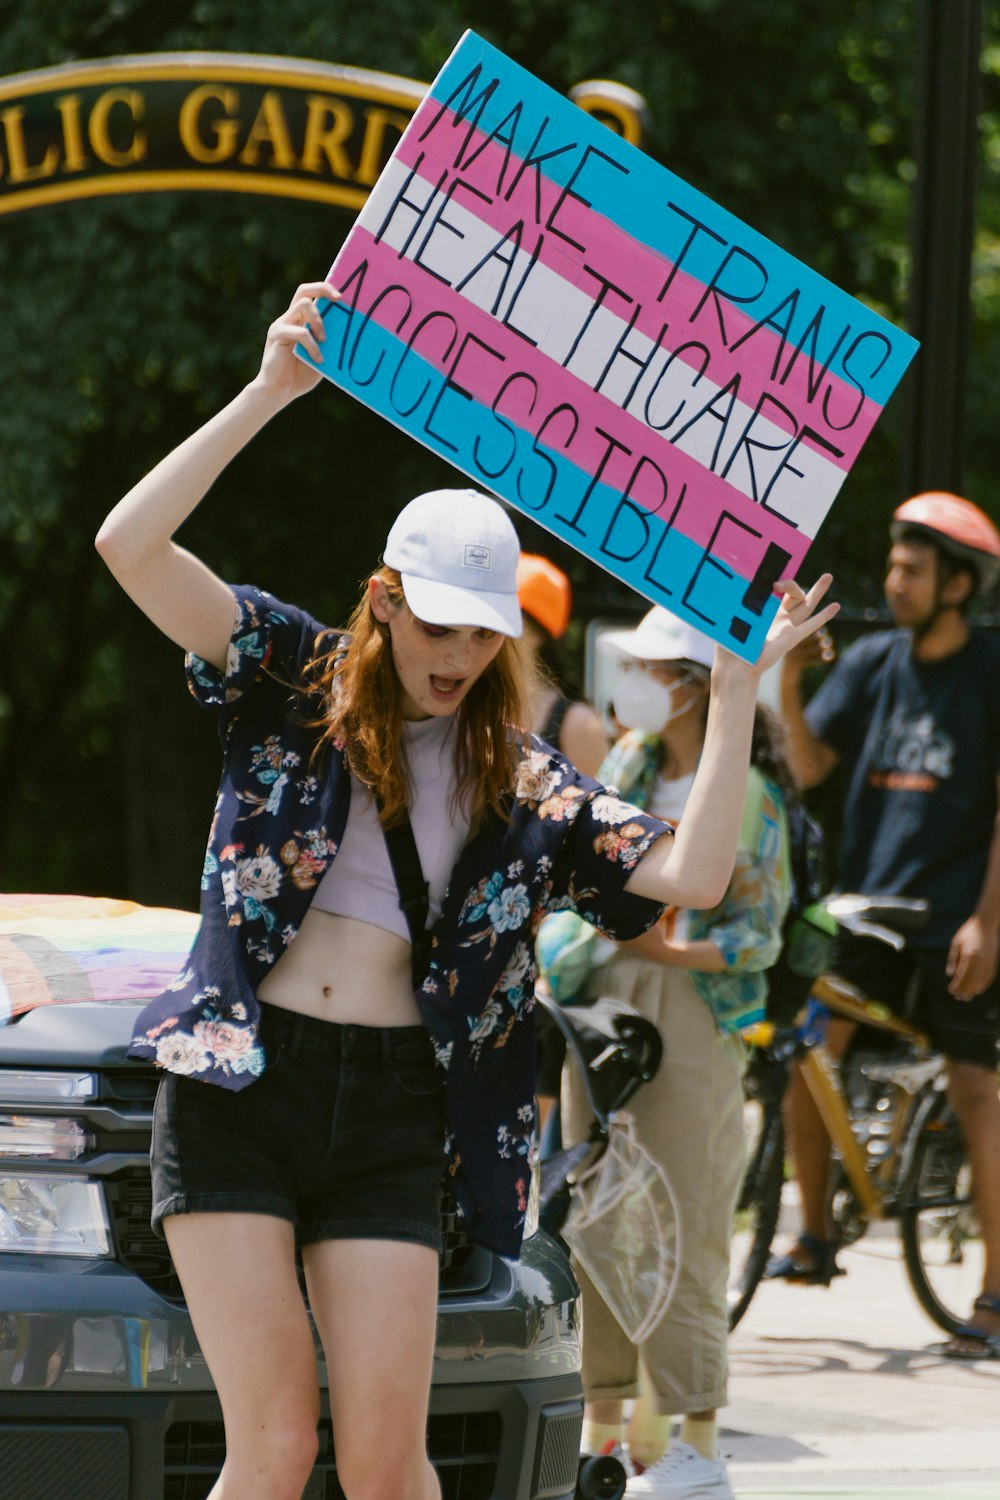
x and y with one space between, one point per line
210 131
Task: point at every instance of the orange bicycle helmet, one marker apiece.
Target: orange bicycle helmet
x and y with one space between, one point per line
544 593
960 528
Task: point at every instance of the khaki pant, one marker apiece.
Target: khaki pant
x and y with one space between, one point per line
690 1119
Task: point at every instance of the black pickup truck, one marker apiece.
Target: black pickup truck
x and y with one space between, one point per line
104 1394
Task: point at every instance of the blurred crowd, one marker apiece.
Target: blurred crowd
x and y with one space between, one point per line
909 720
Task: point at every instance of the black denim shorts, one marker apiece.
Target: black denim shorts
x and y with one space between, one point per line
915 983
343 1135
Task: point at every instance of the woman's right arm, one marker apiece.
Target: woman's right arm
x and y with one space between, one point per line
694 868
811 758
182 596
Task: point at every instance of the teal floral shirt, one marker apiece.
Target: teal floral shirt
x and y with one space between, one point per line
746 925
568 843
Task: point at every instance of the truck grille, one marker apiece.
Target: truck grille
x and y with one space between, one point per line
130 1202
464 1449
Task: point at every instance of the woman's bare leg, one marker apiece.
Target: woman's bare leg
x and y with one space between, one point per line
375 1304
239 1279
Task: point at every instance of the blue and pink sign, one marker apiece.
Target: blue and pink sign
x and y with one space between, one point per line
588 337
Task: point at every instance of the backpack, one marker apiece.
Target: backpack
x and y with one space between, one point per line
808 931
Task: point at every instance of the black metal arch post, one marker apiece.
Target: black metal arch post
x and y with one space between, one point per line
946 146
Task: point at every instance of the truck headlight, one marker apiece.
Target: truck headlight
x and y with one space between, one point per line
38 1086
57 1139
50 1215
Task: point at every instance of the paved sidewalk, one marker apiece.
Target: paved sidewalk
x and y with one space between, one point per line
843 1392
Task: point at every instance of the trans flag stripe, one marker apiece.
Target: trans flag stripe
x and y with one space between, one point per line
590 338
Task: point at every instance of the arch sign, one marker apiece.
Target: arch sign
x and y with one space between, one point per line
219 122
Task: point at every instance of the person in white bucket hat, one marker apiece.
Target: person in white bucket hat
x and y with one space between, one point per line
661 636
409 1015
643 687
699 977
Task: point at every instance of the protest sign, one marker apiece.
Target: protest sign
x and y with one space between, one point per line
590 338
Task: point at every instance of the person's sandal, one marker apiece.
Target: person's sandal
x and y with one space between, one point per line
987 1344
810 1262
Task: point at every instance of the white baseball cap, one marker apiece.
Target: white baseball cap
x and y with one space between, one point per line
457 552
661 636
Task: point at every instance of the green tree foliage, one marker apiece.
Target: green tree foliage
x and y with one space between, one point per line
983 434
127 321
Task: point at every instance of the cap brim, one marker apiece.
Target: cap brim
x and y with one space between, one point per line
447 604
633 643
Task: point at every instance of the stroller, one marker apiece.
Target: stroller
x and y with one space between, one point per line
615 1051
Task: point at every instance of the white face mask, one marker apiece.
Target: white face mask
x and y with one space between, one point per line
642 702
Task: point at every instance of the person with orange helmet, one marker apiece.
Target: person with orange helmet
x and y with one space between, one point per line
963 535
567 724
912 715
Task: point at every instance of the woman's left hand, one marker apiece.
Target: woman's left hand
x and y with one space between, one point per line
798 617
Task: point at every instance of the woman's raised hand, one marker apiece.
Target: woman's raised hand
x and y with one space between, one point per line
798 617
300 325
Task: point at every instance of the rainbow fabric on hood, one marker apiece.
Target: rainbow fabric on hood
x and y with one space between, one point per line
57 950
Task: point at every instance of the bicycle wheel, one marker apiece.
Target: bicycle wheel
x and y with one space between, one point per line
939 1227
759 1203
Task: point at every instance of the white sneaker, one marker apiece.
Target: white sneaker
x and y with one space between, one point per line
682 1474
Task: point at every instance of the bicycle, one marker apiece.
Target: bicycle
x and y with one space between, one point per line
898 1151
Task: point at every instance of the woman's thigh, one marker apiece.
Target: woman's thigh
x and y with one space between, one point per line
689 1116
375 1305
693 1106
242 1291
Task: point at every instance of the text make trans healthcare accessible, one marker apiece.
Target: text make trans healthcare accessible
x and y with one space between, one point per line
596 342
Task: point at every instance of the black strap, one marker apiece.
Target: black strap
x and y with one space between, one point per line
414 894
551 730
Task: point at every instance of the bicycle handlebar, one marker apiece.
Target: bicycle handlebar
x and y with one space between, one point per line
858 927
870 916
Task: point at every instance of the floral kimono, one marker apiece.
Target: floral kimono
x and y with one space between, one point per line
568 843
746 926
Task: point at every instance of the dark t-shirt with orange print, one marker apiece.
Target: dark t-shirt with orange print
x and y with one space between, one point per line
920 745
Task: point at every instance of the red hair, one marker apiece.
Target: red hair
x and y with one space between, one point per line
362 710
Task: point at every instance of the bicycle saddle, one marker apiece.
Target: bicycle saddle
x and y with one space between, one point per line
883 917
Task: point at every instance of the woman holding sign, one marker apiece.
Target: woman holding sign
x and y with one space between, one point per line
332 1045
699 977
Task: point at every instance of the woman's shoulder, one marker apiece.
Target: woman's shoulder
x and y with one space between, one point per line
764 795
757 779
265 604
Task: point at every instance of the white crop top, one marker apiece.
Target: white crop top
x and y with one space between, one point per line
668 799
360 882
